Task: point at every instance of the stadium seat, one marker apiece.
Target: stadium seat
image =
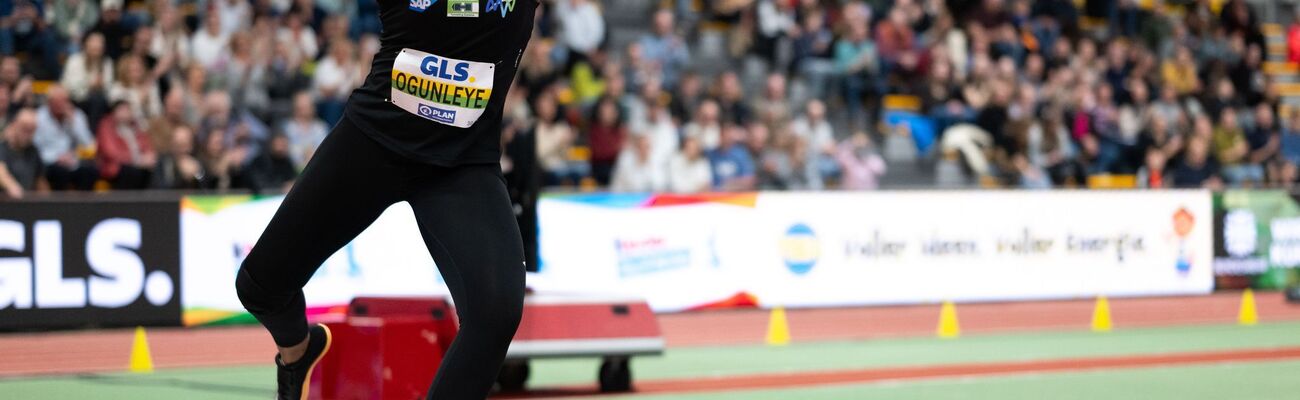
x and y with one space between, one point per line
1108 181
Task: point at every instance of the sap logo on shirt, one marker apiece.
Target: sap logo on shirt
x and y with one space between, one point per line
441 68
421 5
118 275
437 114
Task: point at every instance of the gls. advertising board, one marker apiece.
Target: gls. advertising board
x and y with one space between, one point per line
835 249
101 263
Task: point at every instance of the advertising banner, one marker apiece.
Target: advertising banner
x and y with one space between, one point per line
387 259
1258 235
840 249
78 263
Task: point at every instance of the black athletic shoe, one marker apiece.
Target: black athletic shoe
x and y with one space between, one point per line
294 380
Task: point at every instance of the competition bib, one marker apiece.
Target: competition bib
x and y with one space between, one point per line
440 89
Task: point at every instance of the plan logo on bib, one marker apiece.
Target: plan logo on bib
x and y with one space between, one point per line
442 89
421 5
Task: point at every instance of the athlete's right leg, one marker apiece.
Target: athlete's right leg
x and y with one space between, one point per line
347 184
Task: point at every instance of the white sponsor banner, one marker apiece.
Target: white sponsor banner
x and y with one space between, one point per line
837 249
388 259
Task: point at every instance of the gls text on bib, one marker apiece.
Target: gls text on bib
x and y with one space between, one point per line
444 90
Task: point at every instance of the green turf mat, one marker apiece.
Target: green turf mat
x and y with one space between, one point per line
190 384
1255 381
742 360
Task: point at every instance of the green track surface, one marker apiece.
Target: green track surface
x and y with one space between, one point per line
1260 380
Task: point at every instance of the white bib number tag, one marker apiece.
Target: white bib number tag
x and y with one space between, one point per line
440 89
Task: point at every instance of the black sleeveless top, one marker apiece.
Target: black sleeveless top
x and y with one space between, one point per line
437 87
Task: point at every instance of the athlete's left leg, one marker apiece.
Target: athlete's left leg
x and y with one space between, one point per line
468 224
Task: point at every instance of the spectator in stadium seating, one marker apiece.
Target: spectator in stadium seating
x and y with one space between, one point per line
208 43
125 152
1197 168
640 172
731 99
582 28
177 167
773 108
861 164
25 31
689 170
299 36
236 15
88 75
812 53
555 138
334 80
21 168
1152 174
1290 141
170 43
607 135
857 63
1180 73
273 170
733 167
664 49
819 136
162 128
1264 139
135 87
305 131
116 30
225 165
245 75
784 165
242 134
1231 149
686 97
63 136
706 126
72 18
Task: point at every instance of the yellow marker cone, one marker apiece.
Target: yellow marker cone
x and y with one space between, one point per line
778 330
1248 315
948 326
1101 316
141 361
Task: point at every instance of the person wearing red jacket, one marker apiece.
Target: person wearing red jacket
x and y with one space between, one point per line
125 154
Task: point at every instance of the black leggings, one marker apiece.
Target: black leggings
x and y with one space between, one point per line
464 215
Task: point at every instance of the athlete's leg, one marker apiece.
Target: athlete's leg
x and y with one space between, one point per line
348 183
468 224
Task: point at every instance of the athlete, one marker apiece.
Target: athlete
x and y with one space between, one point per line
424 128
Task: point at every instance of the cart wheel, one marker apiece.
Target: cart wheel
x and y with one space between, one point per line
615 375
513 376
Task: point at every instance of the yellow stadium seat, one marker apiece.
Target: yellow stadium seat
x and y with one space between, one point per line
579 153
1277 49
1112 181
1271 29
902 102
41 87
1286 89
1280 68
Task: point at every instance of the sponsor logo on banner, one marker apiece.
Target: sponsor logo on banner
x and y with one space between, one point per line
1284 251
649 255
421 5
1183 223
800 249
109 264
462 8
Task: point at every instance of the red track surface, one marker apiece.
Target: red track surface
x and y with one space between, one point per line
109 350
770 381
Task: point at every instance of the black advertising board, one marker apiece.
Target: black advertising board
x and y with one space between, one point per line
89 263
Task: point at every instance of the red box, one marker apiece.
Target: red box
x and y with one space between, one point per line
436 309
379 358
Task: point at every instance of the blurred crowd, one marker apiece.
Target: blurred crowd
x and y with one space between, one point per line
668 95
